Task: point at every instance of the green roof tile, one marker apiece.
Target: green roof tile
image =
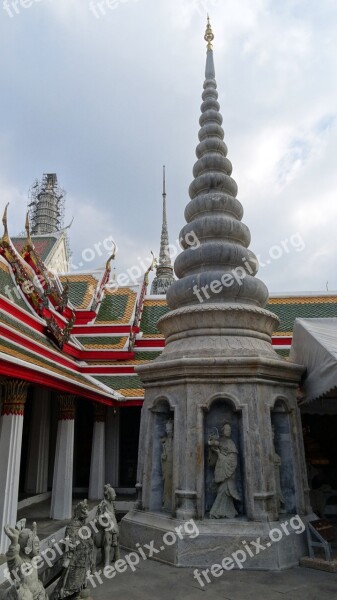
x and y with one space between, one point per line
112 308
150 317
146 355
288 312
77 291
283 353
10 291
118 382
99 340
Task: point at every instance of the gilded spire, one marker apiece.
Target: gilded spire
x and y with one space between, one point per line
164 275
209 35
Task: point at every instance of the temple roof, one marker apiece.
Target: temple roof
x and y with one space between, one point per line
97 362
81 289
44 244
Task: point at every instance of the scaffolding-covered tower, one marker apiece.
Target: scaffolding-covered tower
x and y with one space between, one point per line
46 205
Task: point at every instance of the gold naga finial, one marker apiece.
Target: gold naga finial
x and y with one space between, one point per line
152 266
209 35
112 257
154 263
29 242
5 237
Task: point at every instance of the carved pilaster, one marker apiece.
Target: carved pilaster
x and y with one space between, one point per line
14 397
61 502
66 407
13 403
97 468
99 412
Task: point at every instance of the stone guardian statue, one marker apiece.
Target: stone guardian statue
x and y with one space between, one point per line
225 456
107 537
24 547
78 558
167 466
277 469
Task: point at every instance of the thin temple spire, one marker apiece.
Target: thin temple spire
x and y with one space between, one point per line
164 273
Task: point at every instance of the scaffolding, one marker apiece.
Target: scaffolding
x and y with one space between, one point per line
46 205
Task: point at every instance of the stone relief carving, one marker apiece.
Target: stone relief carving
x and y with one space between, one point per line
224 458
78 558
167 465
23 549
107 537
277 468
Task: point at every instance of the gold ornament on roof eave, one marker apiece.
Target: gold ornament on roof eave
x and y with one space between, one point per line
5 237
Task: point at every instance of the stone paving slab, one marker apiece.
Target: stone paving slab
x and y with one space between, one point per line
157 581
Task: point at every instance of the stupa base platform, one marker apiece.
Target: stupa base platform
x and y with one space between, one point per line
320 564
227 543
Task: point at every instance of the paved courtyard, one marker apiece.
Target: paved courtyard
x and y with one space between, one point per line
153 580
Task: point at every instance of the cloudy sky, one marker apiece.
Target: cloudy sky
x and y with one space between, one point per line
104 92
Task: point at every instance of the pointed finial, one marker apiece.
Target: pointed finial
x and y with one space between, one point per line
27 228
164 181
5 237
111 258
154 262
151 268
209 35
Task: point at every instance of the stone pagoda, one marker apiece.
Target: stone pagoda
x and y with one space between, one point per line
220 438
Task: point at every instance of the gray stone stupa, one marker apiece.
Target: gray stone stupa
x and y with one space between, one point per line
220 438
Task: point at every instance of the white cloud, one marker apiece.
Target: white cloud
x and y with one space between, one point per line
105 102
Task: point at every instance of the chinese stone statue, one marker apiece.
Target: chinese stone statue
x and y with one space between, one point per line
107 537
277 468
22 560
78 557
167 465
225 456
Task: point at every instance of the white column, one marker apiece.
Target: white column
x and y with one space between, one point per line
112 447
12 412
38 449
97 467
62 492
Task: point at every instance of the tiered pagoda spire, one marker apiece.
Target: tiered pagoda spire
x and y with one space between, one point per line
214 216
164 273
46 205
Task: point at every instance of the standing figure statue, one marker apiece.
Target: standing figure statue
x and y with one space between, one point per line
78 557
277 468
107 537
24 547
225 452
167 466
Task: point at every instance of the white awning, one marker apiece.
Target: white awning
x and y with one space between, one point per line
315 347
